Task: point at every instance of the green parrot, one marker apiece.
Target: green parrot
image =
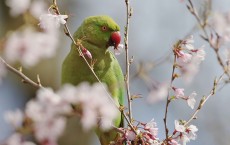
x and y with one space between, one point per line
97 33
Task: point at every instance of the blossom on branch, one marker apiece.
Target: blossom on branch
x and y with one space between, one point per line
188 58
15 118
18 7
29 46
52 21
17 139
191 100
220 22
183 133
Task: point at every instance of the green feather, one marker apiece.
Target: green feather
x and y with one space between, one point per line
107 68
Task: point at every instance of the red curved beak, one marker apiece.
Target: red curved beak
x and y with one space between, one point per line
116 38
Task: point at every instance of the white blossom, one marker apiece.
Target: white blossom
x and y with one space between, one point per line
200 54
220 22
184 58
18 7
45 111
188 43
179 92
152 128
16 139
119 49
29 46
178 126
38 8
185 133
191 130
96 105
130 135
49 130
15 118
52 21
191 100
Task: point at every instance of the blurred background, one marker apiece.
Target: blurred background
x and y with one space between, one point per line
154 27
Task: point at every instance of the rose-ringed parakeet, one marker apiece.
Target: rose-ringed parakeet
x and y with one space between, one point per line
97 33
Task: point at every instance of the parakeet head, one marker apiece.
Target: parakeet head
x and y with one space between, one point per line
101 31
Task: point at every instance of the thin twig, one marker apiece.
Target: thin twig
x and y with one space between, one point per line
206 37
25 79
67 31
168 98
205 99
128 15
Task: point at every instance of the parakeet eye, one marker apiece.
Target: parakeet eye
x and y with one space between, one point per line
104 28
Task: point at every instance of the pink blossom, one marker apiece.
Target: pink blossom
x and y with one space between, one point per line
179 92
151 127
38 8
130 135
191 100
16 139
15 118
29 46
119 49
173 142
184 58
18 7
179 127
185 133
188 43
220 22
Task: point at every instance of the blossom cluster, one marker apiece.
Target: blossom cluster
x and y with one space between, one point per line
188 58
220 23
44 116
184 133
28 45
145 133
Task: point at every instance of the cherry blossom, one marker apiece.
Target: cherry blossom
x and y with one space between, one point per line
151 127
191 100
179 127
96 105
119 49
179 92
188 58
16 139
51 21
188 43
185 133
38 8
18 7
15 118
29 46
220 22
130 135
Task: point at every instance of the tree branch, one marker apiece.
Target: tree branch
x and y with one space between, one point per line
128 62
25 79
